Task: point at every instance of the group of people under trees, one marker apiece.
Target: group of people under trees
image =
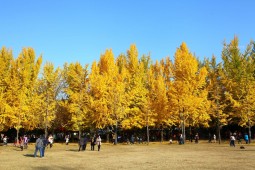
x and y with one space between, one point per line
22 141
181 139
238 137
94 140
41 143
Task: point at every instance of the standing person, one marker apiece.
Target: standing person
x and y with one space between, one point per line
99 142
81 143
85 143
92 142
50 139
21 142
5 140
210 138
232 140
196 138
132 141
246 138
38 146
67 139
214 138
191 137
45 143
180 139
239 138
25 142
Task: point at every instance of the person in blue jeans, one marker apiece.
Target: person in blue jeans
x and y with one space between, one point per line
38 147
45 143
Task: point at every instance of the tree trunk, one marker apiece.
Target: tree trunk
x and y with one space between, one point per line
190 134
17 136
148 134
80 133
162 134
46 127
46 117
249 127
116 134
107 135
219 135
184 134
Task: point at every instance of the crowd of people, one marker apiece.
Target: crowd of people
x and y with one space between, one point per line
95 140
41 143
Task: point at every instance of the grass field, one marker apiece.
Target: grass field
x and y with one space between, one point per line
139 156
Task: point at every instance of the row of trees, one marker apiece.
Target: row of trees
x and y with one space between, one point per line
128 91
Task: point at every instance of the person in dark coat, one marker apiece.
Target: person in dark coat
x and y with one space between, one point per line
45 143
85 143
81 143
93 142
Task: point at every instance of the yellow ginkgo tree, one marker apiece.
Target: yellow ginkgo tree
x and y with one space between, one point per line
137 92
77 96
23 76
239 69
216 95
188 95
5 61
48 91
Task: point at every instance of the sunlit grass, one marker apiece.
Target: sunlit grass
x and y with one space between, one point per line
139 156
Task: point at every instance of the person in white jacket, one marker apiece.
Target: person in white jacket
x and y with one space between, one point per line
99 142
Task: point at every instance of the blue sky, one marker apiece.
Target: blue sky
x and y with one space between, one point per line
80 30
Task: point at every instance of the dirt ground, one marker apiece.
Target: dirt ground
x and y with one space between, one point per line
138 156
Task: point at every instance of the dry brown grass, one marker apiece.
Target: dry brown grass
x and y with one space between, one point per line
139 156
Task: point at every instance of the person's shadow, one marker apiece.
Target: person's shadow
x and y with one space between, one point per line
73 150
29 155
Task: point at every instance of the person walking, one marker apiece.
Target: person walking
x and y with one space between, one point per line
99 142
181 141
21 142
81 143
92 143
132 140
196 138
85 143
246 138
67 139
25 142
50 140
214 138
5 140
232 140
45 143
38 146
